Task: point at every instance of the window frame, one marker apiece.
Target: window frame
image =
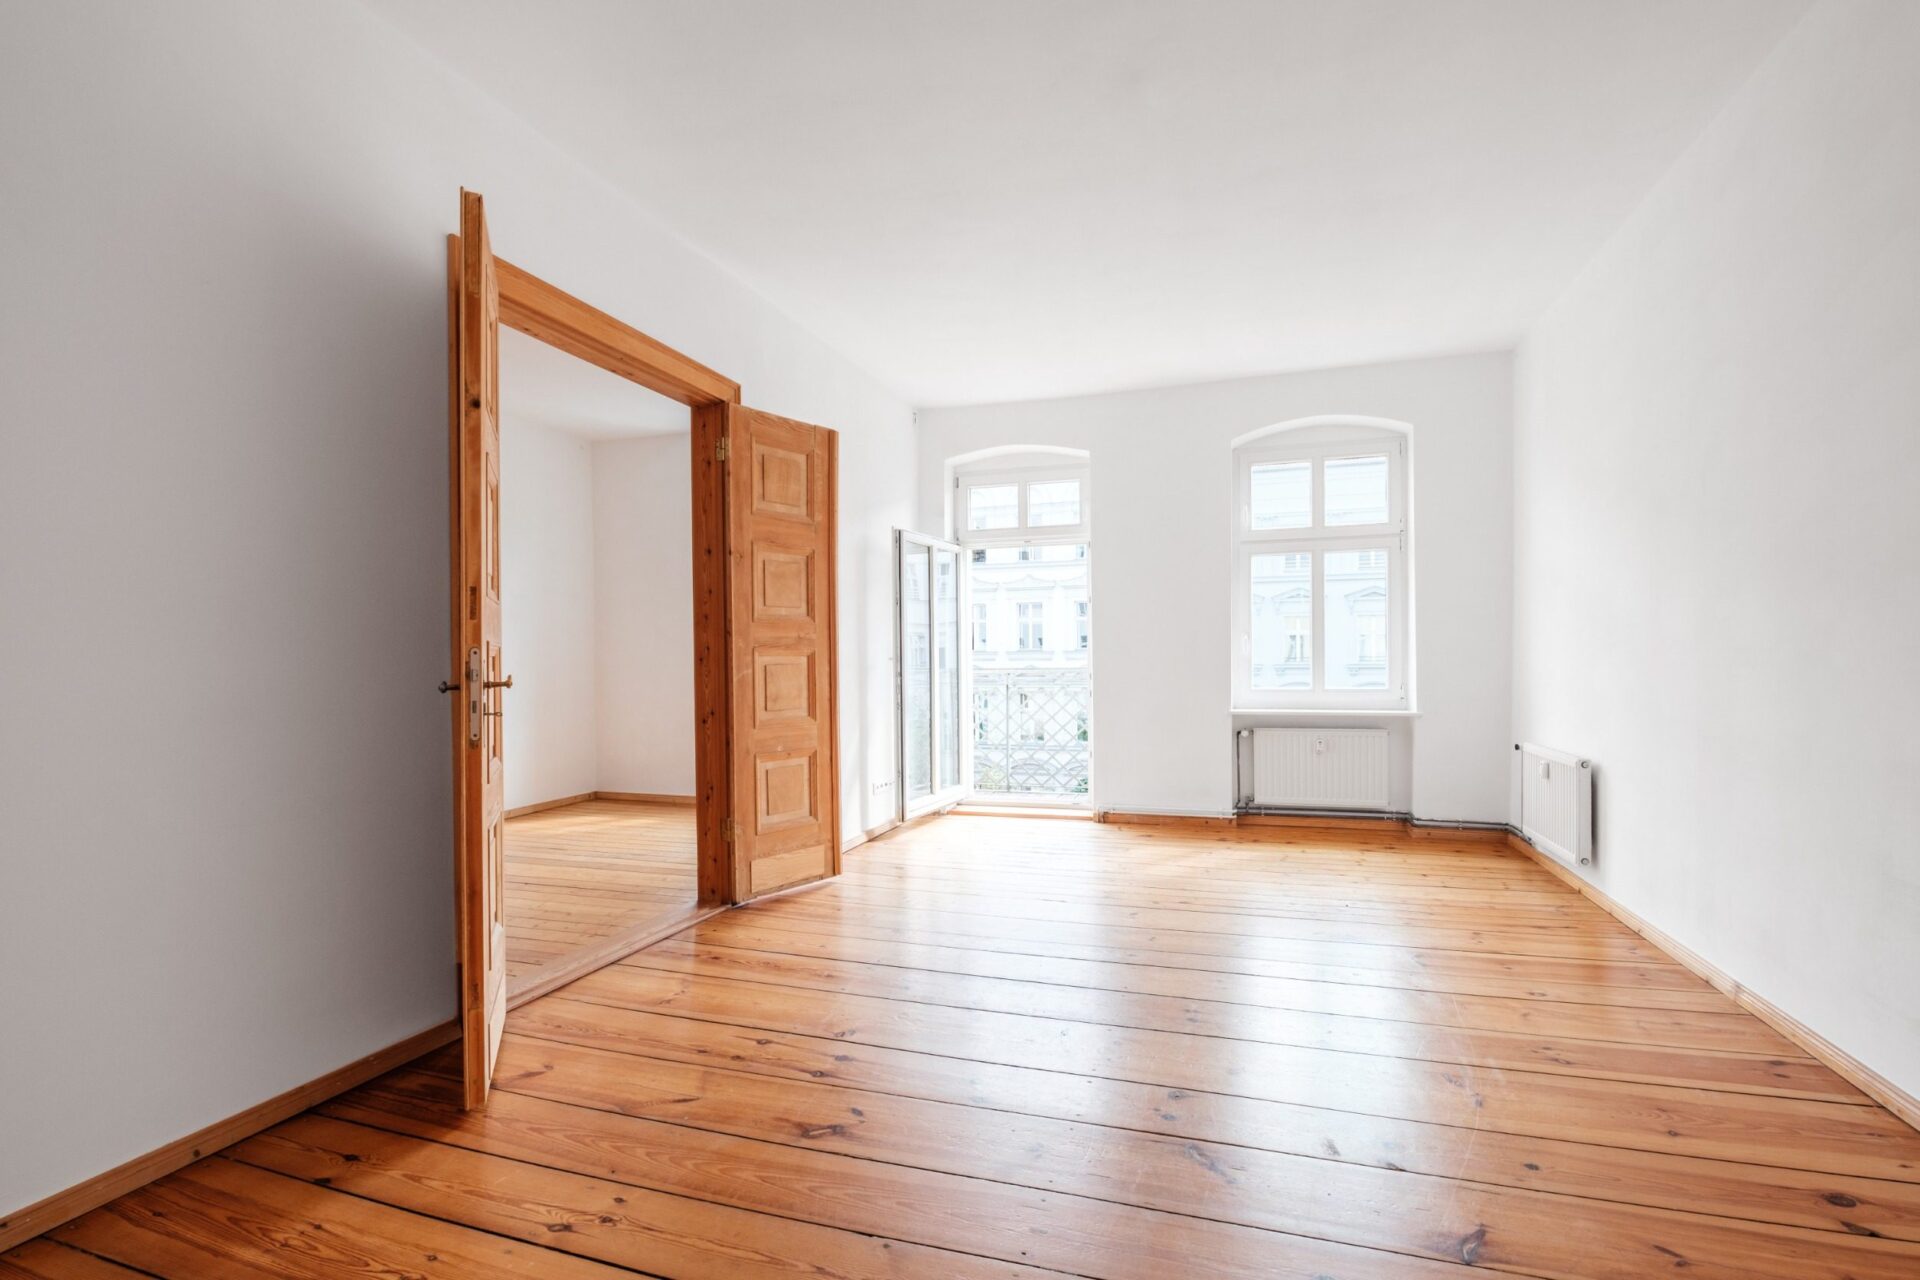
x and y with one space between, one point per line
968 475
907 543
1030 626
1318 445
1022 532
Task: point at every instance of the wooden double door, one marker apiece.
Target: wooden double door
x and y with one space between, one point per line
764 492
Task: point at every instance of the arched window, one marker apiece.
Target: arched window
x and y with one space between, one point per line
1320 601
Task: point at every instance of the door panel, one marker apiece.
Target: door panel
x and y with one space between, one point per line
785 821
481 817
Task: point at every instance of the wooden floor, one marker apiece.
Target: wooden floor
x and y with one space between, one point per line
1001 1047
590 872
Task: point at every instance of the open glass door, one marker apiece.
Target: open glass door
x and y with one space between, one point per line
927 583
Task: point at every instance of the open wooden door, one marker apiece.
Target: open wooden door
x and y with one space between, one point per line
481 808
783 803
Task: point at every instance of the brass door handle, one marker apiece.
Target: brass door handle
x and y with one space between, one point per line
497 684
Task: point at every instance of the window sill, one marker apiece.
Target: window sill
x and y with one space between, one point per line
1314 713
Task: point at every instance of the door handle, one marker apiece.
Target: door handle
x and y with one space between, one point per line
495 684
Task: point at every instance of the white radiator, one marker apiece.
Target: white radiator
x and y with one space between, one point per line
1556 803
1320 768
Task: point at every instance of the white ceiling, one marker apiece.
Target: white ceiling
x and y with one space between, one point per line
999 199
543 386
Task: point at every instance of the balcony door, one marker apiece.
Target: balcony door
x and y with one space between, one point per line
1028 592
927 583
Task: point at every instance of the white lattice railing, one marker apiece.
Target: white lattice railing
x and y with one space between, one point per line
1030 732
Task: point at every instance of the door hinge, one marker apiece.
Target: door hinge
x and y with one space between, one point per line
720 449
726 830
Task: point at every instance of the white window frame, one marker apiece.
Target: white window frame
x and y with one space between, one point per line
1021 533
1316 445
1025 535
905 543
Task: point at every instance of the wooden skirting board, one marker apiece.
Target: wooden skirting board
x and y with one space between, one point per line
635 797
543 805
1850 1068
63 1206
644 797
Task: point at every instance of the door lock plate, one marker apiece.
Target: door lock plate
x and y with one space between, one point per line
475 693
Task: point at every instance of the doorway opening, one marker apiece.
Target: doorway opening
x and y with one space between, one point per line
1025 536
762 495
597 617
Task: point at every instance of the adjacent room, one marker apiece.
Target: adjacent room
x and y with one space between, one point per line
596 577
959 638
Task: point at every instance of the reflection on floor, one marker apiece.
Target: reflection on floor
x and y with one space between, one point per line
584 873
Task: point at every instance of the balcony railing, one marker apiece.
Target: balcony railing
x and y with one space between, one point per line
1030 732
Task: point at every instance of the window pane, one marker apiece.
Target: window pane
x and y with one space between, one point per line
1032 617
916 672
993 506
1357 490
1053 502
1282 495
946 662
1356 586
1282 621
1049 553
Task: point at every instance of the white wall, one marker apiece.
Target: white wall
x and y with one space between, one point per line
1718 539
224 779
597 602
643 557
1162 502
547 612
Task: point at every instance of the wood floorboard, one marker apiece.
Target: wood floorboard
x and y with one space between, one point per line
1657 1179
1406 958
1727 1028
1661 987
1235 1024
1794 1132
615 1222
584 872
1015 1048
1302 1197
50 1260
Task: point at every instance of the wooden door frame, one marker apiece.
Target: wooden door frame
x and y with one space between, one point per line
559 319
